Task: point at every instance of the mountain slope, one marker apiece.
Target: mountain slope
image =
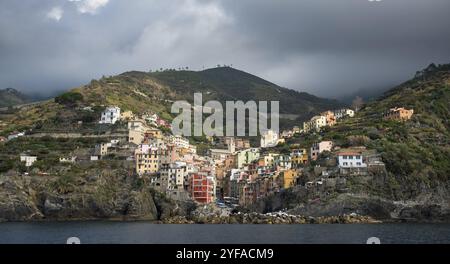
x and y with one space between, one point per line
220 84
10 97
141 92
416 183
225 83
416 152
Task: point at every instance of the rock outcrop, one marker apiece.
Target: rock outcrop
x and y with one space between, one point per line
24 198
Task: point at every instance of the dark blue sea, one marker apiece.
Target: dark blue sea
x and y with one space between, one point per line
148 233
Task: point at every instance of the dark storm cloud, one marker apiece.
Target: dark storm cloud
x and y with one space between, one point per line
326 47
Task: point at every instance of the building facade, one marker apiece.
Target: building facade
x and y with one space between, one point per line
320 147
29 160
315 124
343 113
330 118
179 141
352 162
202 188
398 114
269 139
111 115
299 157
147 159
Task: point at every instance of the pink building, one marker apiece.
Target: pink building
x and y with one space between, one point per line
320 147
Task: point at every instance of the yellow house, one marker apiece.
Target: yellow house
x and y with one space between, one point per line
153 133
135 136
147 159
136 129
127 115
299 157
288 178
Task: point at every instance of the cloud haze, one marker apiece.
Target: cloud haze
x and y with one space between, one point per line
325 47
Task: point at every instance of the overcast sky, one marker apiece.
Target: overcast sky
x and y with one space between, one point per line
324 47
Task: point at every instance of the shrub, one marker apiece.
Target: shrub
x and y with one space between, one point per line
70 98
65 184
358 140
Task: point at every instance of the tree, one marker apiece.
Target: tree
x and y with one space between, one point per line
357 103
69 98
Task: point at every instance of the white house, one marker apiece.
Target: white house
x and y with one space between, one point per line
136 131
351 160
282 161
111 115
269 139
179 141
29 160
102 149
67 159
342 113
16 135
220 154
152 119
315 124
175 173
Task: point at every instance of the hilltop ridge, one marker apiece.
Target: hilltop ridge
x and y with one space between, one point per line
11 97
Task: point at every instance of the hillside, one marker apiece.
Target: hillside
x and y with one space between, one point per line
226 83
413 186
141 92
11 97
134 90
416 153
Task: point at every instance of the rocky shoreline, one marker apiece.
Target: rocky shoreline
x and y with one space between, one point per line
117 198
271 218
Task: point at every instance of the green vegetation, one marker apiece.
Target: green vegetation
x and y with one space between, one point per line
154 92
416 152
69 98
46 145
228 84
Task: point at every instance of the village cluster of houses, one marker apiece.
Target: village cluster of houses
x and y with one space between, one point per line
233 171
327 118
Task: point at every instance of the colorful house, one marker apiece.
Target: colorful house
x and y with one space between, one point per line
315 124
202 188
299 157
320 147
330 118
398 114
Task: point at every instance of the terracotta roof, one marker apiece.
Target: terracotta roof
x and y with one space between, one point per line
348 153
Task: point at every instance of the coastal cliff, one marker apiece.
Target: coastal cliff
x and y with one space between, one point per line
38 198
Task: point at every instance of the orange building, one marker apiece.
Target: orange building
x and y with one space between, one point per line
287 178
153 133
398 114
331 119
